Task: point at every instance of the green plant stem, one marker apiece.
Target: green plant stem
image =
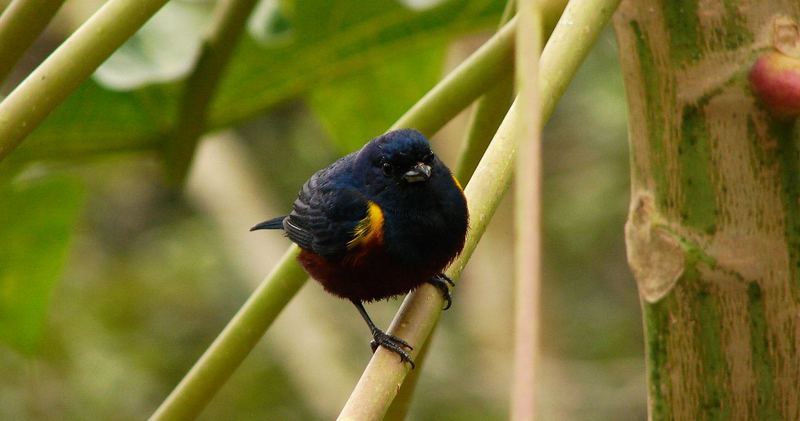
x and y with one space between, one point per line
72 63
20 24
489 111
230 19
491 108
527 215
461 86
567 47
238 338
400 405
486 116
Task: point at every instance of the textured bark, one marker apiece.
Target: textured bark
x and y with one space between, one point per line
714 227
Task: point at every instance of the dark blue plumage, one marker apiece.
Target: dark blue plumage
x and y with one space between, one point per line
379 222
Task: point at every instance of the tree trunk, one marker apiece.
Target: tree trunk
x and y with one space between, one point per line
713 232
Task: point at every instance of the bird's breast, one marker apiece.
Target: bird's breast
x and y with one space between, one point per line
426 235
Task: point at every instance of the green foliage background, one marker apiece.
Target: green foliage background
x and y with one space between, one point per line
113 282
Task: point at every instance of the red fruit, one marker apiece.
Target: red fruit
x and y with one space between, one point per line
775 79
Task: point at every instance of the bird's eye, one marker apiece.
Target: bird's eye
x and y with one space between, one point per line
387 168
428 159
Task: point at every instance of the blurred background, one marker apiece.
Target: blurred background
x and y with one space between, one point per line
113 281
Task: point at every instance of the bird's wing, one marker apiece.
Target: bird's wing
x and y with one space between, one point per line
328 217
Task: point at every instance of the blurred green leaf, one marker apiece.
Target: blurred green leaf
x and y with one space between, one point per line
361 106
333 39
36 220
164 49
329 40
97 120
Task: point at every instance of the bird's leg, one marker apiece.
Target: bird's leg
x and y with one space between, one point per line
379 337
443 283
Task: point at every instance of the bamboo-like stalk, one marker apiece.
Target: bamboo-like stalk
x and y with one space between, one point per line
567 47
528 216
399 408
72 63
20 24
230 19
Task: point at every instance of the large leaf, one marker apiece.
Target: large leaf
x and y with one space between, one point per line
329 40
361 106
36 220
97 120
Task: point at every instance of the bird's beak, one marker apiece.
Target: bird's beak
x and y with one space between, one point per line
420 172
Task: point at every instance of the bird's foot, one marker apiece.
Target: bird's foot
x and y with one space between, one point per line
392 343
443 283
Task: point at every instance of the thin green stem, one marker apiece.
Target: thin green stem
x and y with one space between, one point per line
234 343
71 64
230 18
400 405
527 215
575 33
491 108
489 111
20 24
465 83
486 116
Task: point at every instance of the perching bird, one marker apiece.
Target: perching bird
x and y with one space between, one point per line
379 222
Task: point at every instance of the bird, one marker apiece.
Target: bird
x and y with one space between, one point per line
378 223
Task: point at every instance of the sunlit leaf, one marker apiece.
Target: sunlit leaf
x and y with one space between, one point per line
36 221
164 49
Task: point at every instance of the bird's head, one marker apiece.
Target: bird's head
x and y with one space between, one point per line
401 157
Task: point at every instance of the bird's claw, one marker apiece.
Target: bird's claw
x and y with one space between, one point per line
443 284
392 343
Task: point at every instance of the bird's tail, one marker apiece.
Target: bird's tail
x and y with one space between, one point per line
271 224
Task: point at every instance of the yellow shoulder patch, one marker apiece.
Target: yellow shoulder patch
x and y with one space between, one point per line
455 180
369 229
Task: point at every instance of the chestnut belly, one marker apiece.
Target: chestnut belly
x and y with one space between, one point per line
371 277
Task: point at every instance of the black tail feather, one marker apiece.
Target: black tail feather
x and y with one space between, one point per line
272 224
